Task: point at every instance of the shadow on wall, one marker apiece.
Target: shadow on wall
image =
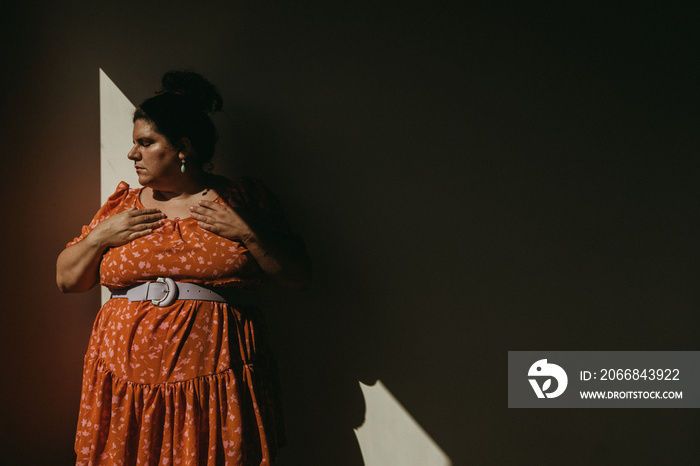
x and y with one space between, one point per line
327 339
336 336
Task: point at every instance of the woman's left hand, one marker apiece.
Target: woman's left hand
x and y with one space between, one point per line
221 220
288 265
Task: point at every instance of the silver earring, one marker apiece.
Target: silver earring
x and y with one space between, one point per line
182 168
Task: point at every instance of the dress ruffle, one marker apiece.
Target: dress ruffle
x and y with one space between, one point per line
193 422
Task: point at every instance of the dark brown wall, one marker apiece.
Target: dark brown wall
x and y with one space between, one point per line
470 179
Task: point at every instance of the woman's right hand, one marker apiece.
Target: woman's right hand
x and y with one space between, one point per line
126 226
77 267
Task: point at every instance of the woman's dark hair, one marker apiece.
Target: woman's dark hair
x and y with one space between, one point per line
180 110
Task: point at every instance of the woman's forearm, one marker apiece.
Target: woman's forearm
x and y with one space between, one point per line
77 267
281 257
285 263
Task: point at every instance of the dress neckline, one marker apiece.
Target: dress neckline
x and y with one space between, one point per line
176 219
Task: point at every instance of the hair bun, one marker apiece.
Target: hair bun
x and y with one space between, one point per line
201 94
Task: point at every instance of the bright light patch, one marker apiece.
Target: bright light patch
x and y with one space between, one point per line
116 112
391 437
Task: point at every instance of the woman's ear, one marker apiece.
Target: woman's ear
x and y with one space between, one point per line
185 147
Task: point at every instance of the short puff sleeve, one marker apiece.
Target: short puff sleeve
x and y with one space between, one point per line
262 206
117 202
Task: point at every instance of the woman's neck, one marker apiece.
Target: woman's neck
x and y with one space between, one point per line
185 188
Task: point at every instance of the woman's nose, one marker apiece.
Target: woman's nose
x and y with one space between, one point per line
133 153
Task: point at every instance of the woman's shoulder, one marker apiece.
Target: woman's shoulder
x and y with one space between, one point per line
252 194
124 197
240 182
245 190
123 189
123 194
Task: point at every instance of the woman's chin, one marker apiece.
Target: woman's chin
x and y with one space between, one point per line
144 180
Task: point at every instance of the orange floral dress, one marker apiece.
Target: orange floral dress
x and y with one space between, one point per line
186 384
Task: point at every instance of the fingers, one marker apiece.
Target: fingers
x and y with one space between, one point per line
140 234
209 215
133 224
211 205
205 214
208 227
206 206
143 229
210 212
136 213
200 217
153 225
145 218
140 229
146 215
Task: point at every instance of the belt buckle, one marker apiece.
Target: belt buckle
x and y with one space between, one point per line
170 292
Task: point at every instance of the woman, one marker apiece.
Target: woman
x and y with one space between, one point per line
176 371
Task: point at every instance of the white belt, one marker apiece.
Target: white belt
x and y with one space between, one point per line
164 291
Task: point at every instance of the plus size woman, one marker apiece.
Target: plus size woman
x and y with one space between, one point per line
177 370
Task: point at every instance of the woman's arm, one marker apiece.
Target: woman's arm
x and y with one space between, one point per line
283 259
78 266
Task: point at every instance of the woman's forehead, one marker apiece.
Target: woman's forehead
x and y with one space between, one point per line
143 128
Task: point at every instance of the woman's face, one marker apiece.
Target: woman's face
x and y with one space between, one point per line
156 161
